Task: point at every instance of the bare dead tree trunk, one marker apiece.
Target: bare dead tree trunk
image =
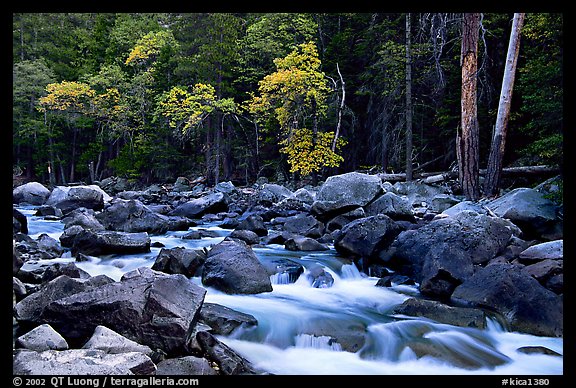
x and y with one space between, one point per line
408 102
468 161
340 109
498 146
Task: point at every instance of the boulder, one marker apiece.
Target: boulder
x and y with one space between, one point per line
271 193
248 236
41 338
17 260
111 342
50 245
179 260
418 194
196 208
229 362
465 205
224 320
304 225
536 215
86 218
30 309
549 250
442 313
19 222
392 205
70 198
146 306
352 188
32 193
254 223
132 216
345 192
48 212
366 237
300 243
107 242
80 362
305 195
187 366
523 303
232 267
69 269
442 254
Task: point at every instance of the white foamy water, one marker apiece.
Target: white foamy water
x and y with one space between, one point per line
304 330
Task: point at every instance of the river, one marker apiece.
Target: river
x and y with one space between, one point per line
292 319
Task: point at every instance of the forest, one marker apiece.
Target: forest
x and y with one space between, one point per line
286 96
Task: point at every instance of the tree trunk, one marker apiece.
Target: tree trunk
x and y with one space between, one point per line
498 146
468 162
340 109
408 102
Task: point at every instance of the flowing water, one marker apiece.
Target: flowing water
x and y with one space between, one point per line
344 329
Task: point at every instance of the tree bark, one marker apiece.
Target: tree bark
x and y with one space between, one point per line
408 102
498 146
468 162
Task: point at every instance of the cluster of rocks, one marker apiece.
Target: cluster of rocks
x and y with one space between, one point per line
502 257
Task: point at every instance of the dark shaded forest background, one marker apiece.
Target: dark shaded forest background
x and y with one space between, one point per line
111 72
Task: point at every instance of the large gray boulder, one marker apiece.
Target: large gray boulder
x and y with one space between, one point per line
392 205
443 313
132 216
81 362
41 338
442 254
418 193
29 309
345 192
109 341
522 302
536 215
304 225
107 242
68 198
232 267
549 250
179 260
224 320
229 362
146 306
272 193
196 208
86 218
366 237
32 193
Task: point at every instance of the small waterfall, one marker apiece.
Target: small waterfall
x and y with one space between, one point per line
350 271
280 278
317 342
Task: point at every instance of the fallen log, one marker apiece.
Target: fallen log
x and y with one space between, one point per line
435 177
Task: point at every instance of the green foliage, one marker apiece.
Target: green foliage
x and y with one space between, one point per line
148 47
130 87
540 89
